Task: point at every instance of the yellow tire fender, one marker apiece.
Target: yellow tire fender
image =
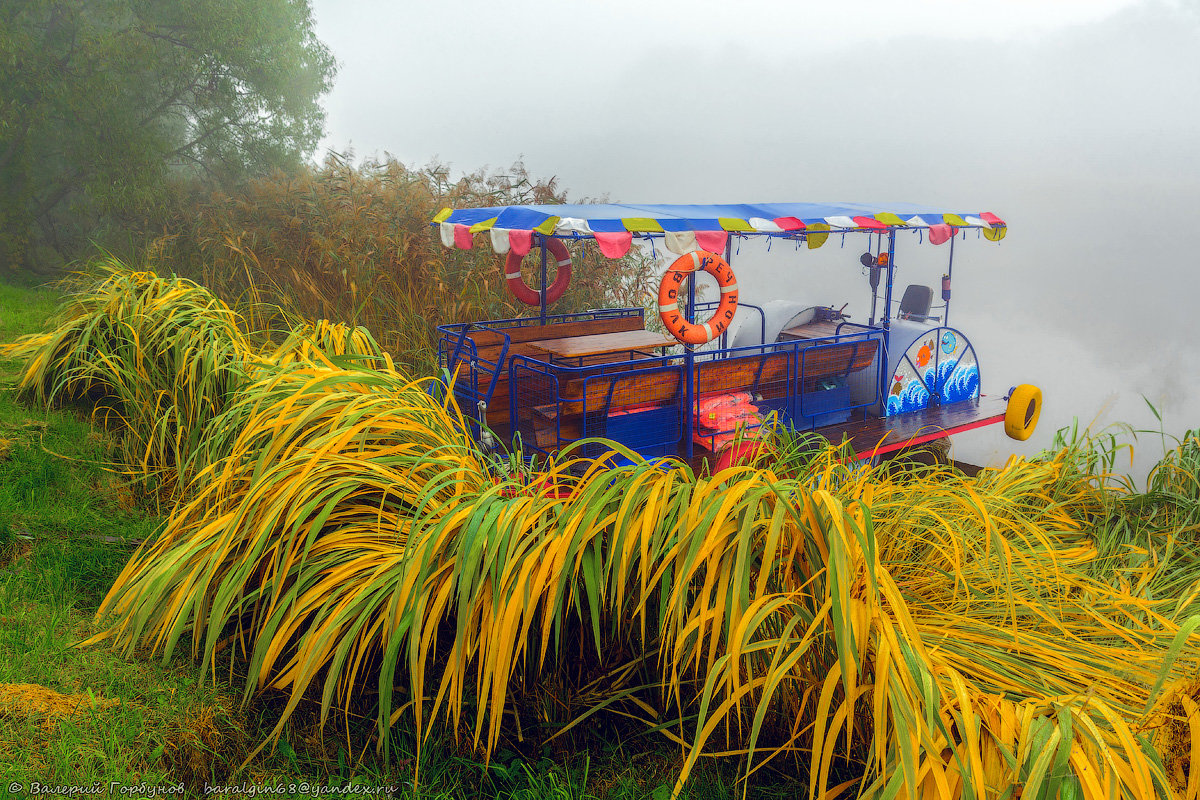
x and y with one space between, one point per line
1024 408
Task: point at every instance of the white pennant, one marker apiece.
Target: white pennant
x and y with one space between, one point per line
680 242
500 241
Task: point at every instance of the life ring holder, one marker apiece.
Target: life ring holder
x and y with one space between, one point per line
668 297
517 285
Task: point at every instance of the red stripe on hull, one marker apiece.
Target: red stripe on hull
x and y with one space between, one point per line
938 434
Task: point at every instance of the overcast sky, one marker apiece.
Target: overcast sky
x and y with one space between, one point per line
1076 121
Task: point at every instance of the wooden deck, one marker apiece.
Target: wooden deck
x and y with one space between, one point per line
874 437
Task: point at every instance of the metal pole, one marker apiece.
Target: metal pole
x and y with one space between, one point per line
873 280
887 316
542 291
891 274
728 260
950 276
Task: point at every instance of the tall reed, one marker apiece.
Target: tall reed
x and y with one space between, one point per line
354 244
157 356
942 633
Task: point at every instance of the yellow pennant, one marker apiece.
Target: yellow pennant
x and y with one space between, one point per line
735 224
641 225
816 234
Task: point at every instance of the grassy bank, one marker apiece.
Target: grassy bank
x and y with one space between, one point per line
67 524
69 520
341 550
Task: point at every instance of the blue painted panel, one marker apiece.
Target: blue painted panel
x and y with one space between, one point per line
822 407
653 432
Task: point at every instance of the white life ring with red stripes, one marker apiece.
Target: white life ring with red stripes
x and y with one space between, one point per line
516 284
668 297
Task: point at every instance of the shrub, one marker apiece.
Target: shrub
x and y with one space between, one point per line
354 244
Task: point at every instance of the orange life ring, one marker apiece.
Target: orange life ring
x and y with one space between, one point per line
668 297
516 284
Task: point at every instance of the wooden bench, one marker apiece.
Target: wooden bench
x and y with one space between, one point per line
834 359
489 343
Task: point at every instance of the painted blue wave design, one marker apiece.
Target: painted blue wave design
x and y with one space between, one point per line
962 384
938 380
914 397
954 381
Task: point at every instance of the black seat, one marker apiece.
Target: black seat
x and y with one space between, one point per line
916 302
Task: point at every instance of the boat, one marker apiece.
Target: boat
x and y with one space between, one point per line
550 381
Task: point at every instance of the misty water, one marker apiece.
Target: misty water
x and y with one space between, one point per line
1076 123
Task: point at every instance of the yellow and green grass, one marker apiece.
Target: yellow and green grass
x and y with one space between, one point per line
914 632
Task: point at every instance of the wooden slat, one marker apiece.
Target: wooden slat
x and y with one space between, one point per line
557 330
827 360
628 389
879 436
738 375
602 343
498 406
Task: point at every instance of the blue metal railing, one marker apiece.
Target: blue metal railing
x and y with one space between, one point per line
456 348
652 404
642 402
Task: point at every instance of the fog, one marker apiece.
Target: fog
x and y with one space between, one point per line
1076 123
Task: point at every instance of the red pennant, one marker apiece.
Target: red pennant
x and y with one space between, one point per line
712 241
462 237
940 234
520 242
614 245
870 223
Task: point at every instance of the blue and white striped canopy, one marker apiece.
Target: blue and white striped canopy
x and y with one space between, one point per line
613 224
